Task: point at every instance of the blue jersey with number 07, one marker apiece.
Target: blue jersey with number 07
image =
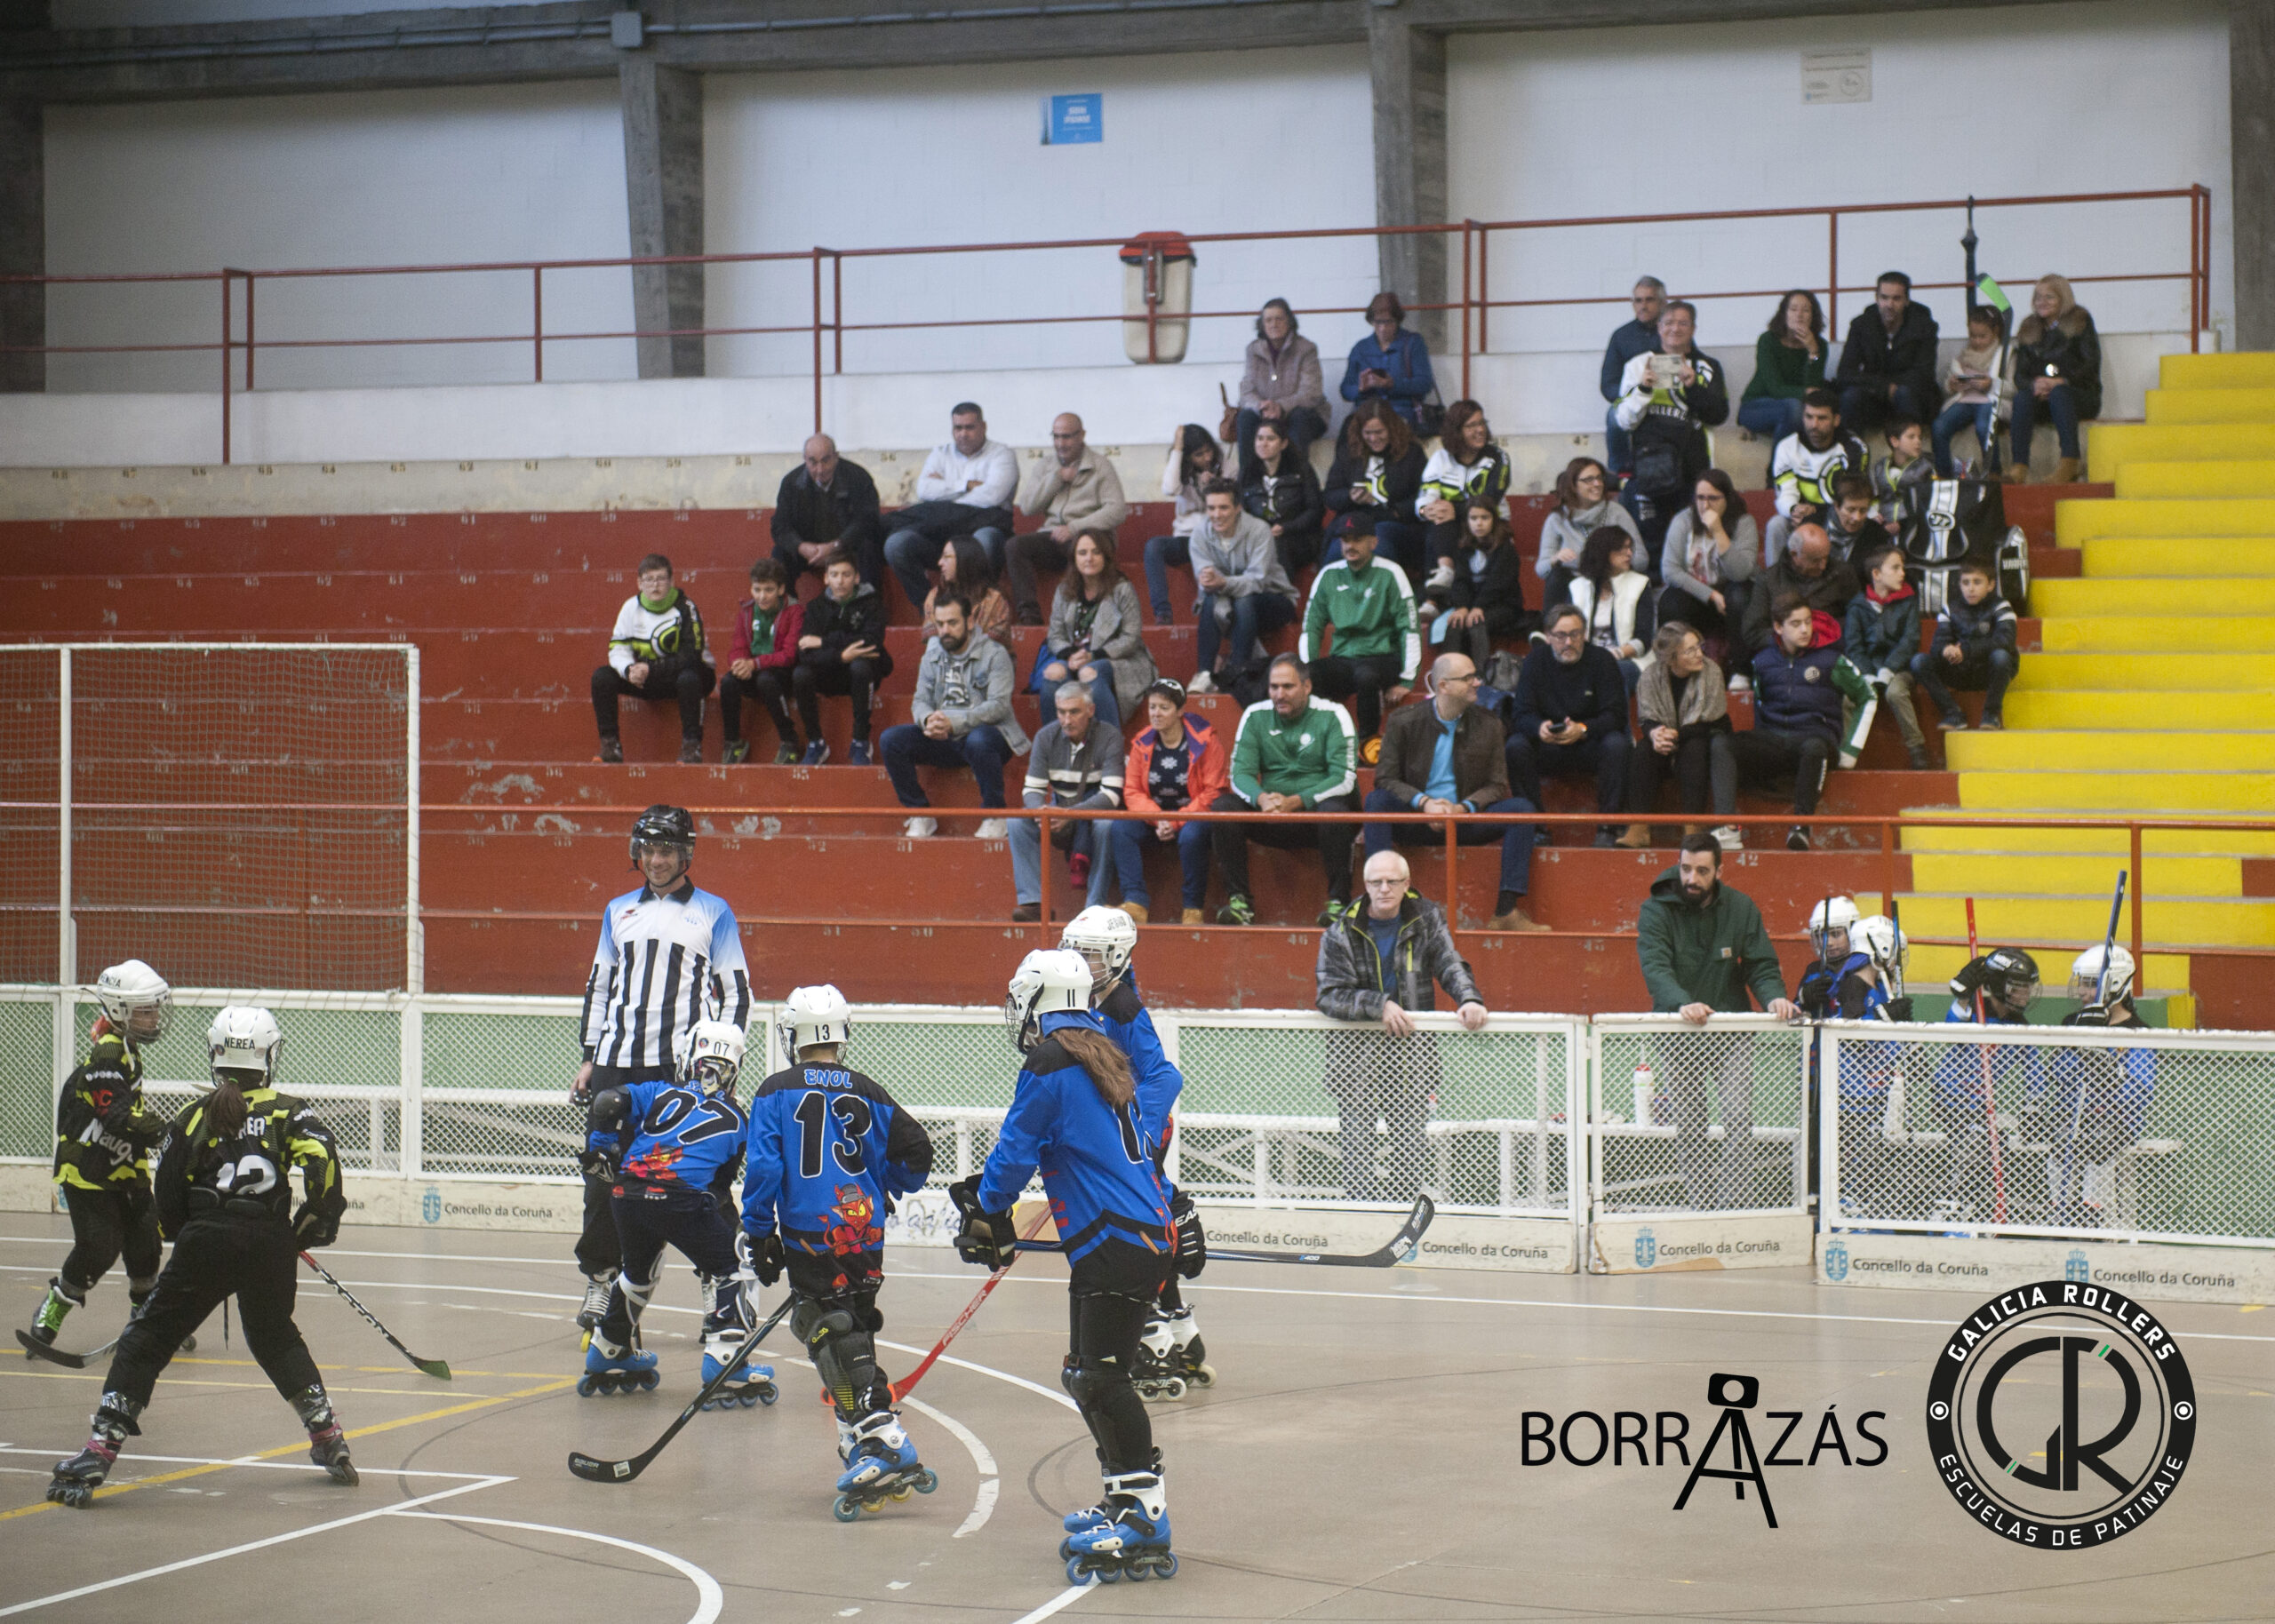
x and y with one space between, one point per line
1096 1159
829 1150
682 1135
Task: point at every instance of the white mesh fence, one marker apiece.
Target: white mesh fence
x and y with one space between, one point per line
1698 1118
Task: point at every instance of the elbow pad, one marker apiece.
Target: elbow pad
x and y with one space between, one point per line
608 1109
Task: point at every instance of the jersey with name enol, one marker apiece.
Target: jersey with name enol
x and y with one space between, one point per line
830 1150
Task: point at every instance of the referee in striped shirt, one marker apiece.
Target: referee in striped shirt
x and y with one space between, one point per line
669 955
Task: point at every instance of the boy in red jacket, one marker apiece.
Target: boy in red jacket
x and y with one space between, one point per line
766 646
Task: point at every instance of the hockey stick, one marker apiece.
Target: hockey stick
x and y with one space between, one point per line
1990 1101
432 1367
593 1470
2101 1002
1026 1243
38 1349
1382 1257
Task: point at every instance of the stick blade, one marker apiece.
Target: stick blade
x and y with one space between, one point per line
602 1471
436 1368
38 1349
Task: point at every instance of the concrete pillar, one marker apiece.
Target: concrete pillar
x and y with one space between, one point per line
663 180
23 244
1407 66
2251 140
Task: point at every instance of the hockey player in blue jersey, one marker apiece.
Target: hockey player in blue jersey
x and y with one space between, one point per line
830 1151
1077 1110
2099 1098
1170 1354
2005 979
686 1138
1869 987
669 955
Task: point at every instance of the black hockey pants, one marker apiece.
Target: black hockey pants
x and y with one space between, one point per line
105 1222
1109 1301
255 1259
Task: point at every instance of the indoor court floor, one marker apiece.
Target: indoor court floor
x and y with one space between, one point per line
1359 1459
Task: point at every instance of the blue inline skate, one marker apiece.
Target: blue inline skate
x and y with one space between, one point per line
610 1368
1130 1537
882 1466
751 1385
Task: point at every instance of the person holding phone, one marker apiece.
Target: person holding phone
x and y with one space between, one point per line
2057 374
1570 711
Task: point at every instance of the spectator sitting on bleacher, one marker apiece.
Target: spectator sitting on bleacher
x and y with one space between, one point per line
1372 485
1974 647
1788 366
1713 549
1850 524
1904 465
1616 600
965 571
1881 635
2057 371
1278 486
1669 398
1978 378
1629 340
962 711
656 652
1076 492
1390 364
1450 756
1887 366
964 490
1362 607
1467 467
1077 762
1809 571
1293 753
1243 589
1485 602
1585 503
1803 466
827 502
1799 683
1195 459
1281 382
1177 764
1683 727
841 650
1569 718
765 649
1094 635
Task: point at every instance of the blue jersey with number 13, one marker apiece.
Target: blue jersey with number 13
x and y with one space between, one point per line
829 1150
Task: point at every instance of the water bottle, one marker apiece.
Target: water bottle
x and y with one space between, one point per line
1647 1091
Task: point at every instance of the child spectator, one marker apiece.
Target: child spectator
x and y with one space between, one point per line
1094 636
1788 366
1799 682
1973 649
1485 602
1467 467
1614 597
1195 459
1976 374
656 652
841 650
1685 715
1881 636
1904 466
1363 607
967 572
1584 502
1177 764
765 649
1712 552
1278 486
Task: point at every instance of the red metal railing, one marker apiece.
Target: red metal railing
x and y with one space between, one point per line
1473 298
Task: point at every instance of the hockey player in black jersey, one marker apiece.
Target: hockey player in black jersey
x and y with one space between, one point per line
224 1197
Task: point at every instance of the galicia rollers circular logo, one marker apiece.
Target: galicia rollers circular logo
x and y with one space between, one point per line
2061 1415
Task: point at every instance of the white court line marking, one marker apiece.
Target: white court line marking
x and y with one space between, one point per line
709 1598
1065 1598
984 1370
983 1504
277 1466
416 1257
239 1550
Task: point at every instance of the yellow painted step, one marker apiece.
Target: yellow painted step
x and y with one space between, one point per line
2162 794
2111 846
2237 634
2195 557
2230 595
2110 446
2113 750
2029 710
2077 523
2235 369
2211 673
1929 974
2190 922
2055 875
2168 406
2239 477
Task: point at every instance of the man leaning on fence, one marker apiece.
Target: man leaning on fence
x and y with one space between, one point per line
1704 951
1382 958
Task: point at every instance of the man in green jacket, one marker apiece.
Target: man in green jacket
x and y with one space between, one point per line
1369 605
1705 950
1293 753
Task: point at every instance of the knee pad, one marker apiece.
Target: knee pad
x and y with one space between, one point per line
1092 1383
843 1354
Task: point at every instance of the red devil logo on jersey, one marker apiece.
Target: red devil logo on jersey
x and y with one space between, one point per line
856 1229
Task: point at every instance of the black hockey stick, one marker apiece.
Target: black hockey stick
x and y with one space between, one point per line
35 1349
1382 1257
593 1471
432 1367
2101 1005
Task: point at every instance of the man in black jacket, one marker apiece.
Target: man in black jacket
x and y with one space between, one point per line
1569 718
828 503
1809 571
1887 366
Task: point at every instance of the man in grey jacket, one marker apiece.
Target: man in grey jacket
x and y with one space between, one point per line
963 717
1243 585
1382 958
1078 763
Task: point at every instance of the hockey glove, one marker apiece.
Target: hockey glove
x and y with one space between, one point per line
314 1228
598 1165
1899 1008
762 1255
984 1237
1192 1243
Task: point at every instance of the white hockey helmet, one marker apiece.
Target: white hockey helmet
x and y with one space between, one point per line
1834 913
709 1055
1877 937
244 1037
814 1016
1105 937
2086 979
135 1000
1049 981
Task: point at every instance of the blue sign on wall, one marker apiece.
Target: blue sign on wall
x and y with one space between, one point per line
1067 120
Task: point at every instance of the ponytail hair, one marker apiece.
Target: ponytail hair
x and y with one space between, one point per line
1097 1054
225 1107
